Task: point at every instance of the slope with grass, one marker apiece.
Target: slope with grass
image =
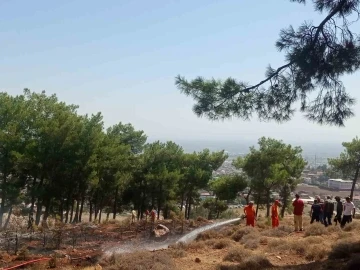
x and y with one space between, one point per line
239 247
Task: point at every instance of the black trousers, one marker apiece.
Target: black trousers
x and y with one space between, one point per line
337 219
327 218
314 217
346 219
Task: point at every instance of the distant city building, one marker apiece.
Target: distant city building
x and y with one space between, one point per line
340 184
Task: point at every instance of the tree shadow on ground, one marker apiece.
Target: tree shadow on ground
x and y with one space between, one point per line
352 263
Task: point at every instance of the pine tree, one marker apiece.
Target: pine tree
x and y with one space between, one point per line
316 57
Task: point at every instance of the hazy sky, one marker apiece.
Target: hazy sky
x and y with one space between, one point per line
120 57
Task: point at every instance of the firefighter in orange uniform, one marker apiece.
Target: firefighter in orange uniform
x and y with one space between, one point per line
250 214
275 214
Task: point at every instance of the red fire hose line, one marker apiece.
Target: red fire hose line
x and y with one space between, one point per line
25 263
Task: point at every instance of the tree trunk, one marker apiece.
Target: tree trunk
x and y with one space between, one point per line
76 217
72 210
354 181
257 205
100 212
8 218
115 202
189 208
248 196
285 198
39 208
81 207
182 201
68 199
3 198
47 209
268 205
33 196
166 211
91 211
39 202
61 209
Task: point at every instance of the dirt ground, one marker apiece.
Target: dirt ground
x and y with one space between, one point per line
232 247
289 250
75 245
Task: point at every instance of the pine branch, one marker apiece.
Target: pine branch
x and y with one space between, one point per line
319 29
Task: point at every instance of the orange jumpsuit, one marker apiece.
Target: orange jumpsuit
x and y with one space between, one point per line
250 215
274 216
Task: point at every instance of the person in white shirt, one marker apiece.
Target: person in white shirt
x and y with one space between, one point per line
348 213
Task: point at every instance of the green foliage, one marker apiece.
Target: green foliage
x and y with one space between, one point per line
215 207
227 187
273 166
316 56
347 165
53 158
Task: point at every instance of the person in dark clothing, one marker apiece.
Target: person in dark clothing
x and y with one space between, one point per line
328 211
315 212
321 203
339 210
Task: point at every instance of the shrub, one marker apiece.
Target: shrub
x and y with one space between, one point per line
344 250
241 232
237 255
252 262
251 241
207 235
353 226
196 245
201 219
316 229
228 231
192 223
219 243
316 252
141 260
228 214
222 243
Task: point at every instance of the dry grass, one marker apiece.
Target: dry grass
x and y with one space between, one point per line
281 231
344 249
316 252
316 229
141 260
219 243
239 234
353 226
211 234
237 254
253 262
251 241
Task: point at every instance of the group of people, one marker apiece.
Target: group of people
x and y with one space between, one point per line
321 211
250 214
152 214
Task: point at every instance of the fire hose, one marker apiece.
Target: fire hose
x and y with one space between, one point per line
25 263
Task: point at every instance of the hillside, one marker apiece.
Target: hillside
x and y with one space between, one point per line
239 247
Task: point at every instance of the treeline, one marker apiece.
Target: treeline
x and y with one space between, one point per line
54 159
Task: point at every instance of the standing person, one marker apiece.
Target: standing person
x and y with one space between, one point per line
315 212
322 211
298 205
250 214
339 210
153 215
146 214
328 211
133 216
349 212
275 214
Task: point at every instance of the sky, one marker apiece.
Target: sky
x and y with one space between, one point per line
121 57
